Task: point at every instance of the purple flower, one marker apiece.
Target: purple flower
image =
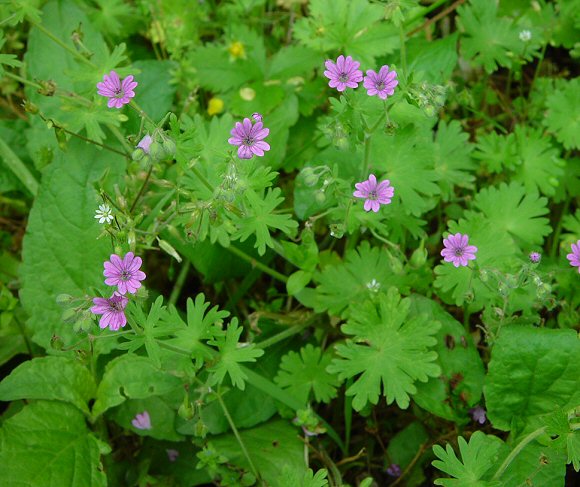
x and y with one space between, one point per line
142 421
382 83
172 454
145 143
343 74
374 194
249 138
124 273
118 92
257 116
478 414
457 251
574 257
535 257
394 470
112 309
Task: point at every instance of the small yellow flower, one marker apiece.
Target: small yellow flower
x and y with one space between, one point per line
215 106
237 50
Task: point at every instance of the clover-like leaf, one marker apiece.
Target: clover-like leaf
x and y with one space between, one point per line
389 352
231 354
475 466
304 372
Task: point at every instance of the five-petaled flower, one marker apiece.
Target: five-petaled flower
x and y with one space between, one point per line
124 273
118 92
478 414
574 257
145 143
142 421
104 214
535 257
249 138
112 309
382 83
375 194
344 73
457 250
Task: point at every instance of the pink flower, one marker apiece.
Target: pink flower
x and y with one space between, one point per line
172 454
125 273
249 139
142 421
374 194
119 93
478 414
535 257
382 83
457 251
112 309
344 73
145 143
574 257
257 116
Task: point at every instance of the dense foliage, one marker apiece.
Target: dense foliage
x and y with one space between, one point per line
290 243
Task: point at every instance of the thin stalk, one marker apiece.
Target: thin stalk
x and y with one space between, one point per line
403 52
425 11
133 104
237 435
258 265
556 234
22 80
367 153
180 281
143 186
119 136
347 417
283 335
58 41
18 167
202 178
517 450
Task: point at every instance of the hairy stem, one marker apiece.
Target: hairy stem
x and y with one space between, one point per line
517 450
257 264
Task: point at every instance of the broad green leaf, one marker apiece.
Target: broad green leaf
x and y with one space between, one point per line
292 61
57 378
232 353
405 444
48 444
432 61
461 382
270 446
390 351
304 373
478 457
512 209
131 377
365 272
533 371
497 152
292 478
61 253
563 115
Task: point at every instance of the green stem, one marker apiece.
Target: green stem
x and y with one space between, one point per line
237 435
141 191
22 80
18 167
427 10
133 104
62 44
517 450
180 281
203 179
403 52
259 265
283 335
347 417
119 136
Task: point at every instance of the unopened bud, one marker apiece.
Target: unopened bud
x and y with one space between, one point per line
63 299
138 154
169 146
56 342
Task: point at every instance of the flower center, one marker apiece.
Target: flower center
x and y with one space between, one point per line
458 252
248 141
115 305
343 77
380 86
373 195
125 275
119 93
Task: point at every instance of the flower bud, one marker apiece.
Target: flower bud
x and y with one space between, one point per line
156 151
320 197
138 154
169 146
56 342
63 299
419 256
309 176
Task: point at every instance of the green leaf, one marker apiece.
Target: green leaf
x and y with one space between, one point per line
57 378
305 372
259 218
48 444
7 59
61 253
477 459
364 272
461 382
563 115
389 348
532 372
540 168
497 152
231 355
488 39
292 61
269 445
131 377
517 212
292 478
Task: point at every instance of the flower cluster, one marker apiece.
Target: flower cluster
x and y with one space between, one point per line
345 73
126 276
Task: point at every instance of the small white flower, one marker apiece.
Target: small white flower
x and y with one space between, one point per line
525 36
104 214
374 286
